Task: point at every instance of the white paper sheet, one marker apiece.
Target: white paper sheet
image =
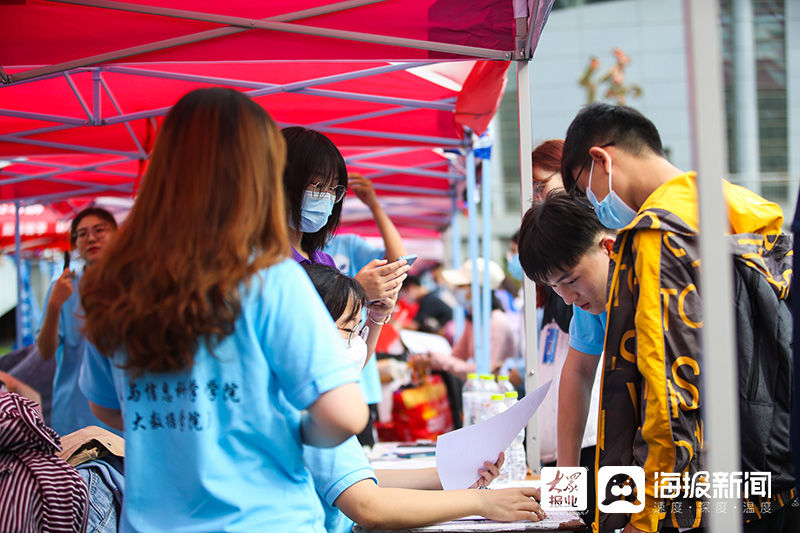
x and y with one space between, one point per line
419 342
460 453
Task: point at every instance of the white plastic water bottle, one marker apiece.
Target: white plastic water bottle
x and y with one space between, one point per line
469 399
486 388
515 454
504 384
496 406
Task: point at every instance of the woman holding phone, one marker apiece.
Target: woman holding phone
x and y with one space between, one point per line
213 349
60 334
315 181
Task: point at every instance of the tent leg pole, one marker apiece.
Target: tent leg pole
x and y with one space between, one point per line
18 263
458 312
707 121
486 245
472 239
528 287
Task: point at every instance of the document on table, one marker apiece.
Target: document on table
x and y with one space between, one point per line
460 453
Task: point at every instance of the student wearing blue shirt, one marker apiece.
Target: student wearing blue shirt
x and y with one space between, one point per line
213 351
357 258
562 244
315 183
60 331
351 491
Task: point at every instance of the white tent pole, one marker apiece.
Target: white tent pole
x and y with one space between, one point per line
707 121
472 245
458 311
529 288
486 252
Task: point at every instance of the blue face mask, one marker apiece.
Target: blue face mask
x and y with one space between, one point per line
462 299
514 268
314 212
612 211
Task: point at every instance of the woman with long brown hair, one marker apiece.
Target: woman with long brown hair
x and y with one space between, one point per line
213 341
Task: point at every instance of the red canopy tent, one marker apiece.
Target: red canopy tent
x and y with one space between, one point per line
41 226
82 103
84 84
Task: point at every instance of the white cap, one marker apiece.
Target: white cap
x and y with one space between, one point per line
463 276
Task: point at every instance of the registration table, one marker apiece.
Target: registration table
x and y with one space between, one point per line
394 455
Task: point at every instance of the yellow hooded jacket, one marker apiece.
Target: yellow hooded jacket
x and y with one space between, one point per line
650 411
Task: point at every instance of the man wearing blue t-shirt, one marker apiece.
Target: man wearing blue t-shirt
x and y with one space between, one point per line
562 244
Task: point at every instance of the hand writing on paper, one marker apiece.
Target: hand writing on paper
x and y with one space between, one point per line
490 473
510 505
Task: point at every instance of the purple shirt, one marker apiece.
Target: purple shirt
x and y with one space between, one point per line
317 258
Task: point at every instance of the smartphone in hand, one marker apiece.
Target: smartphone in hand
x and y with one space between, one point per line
66 260
409 259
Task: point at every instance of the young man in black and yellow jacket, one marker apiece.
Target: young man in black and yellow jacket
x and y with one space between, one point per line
651 410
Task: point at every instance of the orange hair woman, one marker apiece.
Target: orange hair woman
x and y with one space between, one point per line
213 348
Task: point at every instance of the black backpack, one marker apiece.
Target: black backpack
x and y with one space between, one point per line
762 279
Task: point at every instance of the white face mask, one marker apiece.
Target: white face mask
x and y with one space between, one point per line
357 352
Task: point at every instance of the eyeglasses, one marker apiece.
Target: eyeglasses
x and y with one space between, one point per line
318 190
352 333
583 167
538 186
98 230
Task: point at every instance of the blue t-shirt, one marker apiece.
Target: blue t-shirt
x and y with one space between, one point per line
587 332
334 470
216 447
351 253
70 408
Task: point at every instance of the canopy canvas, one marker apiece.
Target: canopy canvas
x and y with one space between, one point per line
387 80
